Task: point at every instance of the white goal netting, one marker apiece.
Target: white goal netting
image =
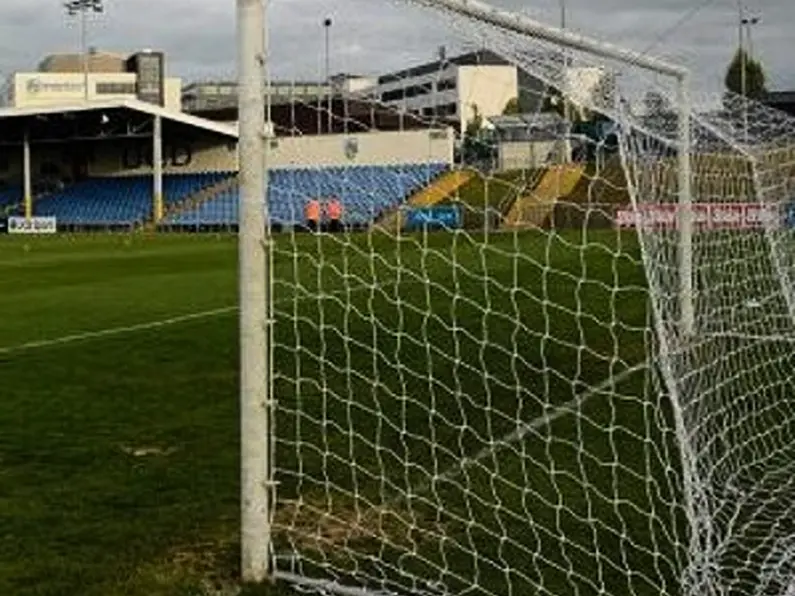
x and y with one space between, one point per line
485 376
731 376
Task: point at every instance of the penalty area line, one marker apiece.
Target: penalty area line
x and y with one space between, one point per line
554 413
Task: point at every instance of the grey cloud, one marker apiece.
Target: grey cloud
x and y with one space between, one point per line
370 36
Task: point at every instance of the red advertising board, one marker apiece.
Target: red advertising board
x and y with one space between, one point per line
707 216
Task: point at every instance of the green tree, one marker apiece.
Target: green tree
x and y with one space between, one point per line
755 79
512 107
475 124
475 146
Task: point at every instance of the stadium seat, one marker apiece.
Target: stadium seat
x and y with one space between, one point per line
10 197
365 191
120 200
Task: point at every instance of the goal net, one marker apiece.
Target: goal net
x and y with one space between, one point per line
532 327
730 376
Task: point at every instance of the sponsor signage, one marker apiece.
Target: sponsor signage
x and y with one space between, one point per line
706 216
34 225
447 216
37 85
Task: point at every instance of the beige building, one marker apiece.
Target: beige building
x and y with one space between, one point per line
61 80
452 89
219 95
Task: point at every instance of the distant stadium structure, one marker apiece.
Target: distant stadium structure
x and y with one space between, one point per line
482 83
203 96
60 80
132 158
455 88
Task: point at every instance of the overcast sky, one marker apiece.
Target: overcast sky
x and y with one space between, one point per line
372 36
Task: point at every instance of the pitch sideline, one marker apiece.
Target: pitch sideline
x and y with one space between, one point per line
112 331
206 314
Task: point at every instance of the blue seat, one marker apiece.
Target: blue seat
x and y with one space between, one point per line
119 200
10 197
365 192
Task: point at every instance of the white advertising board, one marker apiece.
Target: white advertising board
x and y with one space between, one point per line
34 225
707 216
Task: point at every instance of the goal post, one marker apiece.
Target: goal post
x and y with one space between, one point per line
254 294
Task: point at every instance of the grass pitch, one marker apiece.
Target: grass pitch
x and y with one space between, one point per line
395 362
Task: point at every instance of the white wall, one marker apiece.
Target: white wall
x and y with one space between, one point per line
356 85
172 95
375 148
487 87
518 155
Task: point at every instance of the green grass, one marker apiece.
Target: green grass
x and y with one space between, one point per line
508 332
80 513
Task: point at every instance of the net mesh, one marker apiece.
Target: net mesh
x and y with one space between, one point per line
732 378
484 381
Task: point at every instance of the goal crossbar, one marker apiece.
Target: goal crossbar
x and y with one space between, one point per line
519 23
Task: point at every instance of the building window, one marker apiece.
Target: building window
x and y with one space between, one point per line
416 90
116 88
392 95
446 85
408 92
448 109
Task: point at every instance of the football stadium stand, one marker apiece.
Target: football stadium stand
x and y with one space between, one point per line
116 201
109 148
365 191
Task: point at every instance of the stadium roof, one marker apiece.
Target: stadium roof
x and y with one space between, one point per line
8 115
476 58
350 116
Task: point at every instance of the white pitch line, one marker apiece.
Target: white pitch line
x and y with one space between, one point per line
102 333
522 431
206 314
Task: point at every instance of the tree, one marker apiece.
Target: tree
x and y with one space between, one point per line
475 125
512 107
475 147
755 79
